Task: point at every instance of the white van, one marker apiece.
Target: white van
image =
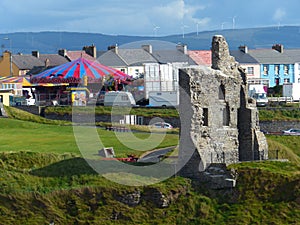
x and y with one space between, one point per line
163 98
257 91
118 98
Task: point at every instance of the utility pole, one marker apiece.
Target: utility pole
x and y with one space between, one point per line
10 57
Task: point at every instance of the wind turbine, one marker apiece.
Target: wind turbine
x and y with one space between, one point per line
183 27
278 26
197 24
233 22
155 30
222 25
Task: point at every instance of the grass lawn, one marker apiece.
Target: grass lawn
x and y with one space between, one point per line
19 135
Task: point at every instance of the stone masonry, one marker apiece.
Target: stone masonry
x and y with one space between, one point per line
219 122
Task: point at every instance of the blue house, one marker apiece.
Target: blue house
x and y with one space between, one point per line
276 65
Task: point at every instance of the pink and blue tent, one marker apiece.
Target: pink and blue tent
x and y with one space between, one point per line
25 81
75 71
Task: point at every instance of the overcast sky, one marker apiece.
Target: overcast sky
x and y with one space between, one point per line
144 17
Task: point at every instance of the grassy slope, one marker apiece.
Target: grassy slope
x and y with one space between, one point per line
152 112
40 187
264 115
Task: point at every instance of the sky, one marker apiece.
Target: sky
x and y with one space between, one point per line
144 17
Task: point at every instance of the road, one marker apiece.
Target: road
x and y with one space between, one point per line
155 155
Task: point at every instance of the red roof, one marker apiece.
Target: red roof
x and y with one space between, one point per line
201 57
73 55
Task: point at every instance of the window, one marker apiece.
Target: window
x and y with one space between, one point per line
286 69
123 70
250 70
124 98
226 116
137 72
205 116
222 92
286 80
298 80
266 69
276 69
9 86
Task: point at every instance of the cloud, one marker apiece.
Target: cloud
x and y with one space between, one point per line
279 14
176 14
178 10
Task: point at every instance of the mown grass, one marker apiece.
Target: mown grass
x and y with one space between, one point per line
20 135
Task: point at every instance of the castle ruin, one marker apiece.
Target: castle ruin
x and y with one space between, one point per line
219 122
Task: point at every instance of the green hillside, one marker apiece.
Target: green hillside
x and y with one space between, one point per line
50 42
44 179
266 193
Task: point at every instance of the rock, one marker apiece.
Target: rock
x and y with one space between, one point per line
156 197
130 199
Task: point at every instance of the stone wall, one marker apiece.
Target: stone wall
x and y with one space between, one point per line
268 126
278 126
108 118
218 123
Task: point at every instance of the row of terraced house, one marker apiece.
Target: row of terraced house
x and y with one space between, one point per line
158 67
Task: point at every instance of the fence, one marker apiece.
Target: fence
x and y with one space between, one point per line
280 99
52 99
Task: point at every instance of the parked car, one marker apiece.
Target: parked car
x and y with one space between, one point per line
162 125
291 132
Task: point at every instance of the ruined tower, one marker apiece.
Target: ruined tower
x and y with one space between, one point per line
219 124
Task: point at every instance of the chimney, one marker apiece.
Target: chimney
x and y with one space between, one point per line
243 48
182 48
147 48
62 52
90 50
35 54
47 63
113 48
278 47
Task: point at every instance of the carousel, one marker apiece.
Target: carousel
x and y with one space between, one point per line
76 83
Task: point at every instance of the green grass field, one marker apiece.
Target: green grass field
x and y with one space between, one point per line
17 135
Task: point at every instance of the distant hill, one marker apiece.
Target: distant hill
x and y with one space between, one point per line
50 41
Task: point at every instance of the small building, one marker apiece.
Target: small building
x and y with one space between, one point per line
275 65
17 65
5 96
249 64
154 66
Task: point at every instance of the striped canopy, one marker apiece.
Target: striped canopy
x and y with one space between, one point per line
75 71
13 80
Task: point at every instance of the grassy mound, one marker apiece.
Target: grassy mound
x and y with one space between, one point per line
39 188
